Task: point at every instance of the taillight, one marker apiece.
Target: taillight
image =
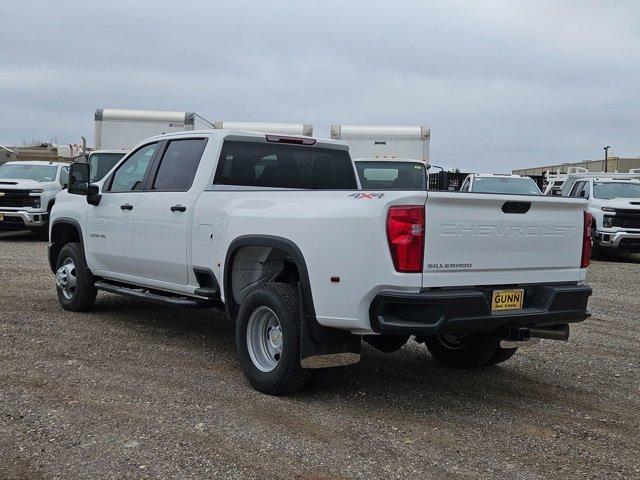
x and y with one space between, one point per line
586 241
405 232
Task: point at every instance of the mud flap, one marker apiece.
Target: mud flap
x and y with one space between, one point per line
322 347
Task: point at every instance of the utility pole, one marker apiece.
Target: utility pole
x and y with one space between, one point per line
606 157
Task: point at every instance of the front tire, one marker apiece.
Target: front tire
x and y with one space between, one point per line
268 339
74 284
464 350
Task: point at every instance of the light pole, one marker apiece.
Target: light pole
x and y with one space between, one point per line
606 157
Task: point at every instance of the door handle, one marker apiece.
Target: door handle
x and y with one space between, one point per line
178 208
126 206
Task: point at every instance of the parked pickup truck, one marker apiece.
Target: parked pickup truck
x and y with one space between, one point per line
27 193
614 203
275 229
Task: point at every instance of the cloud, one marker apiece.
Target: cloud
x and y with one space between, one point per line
502 84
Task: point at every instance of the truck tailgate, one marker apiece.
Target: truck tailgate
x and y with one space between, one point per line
492 239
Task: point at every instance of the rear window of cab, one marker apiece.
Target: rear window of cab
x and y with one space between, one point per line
275 165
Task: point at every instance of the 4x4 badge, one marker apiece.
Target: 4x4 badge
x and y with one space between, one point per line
369 196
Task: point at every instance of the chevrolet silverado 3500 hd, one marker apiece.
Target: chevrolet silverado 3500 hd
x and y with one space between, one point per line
276 230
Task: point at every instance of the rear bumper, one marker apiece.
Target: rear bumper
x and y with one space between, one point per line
437 312
619 240
21 219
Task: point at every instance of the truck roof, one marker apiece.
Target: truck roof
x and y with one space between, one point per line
389 160
325 142
387 131
282 128
500 175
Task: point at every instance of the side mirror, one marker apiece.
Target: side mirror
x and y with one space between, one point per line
93 197
427 166
582 194
78 179
79 183
80 159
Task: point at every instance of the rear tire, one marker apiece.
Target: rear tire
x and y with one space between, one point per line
74 284
268 339
464 350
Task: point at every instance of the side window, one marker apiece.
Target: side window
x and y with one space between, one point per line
575 189
179 164
465 186
64 176
585 188
130 175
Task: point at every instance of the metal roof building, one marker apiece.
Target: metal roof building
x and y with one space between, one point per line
614 164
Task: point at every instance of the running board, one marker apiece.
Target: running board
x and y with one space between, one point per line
157 298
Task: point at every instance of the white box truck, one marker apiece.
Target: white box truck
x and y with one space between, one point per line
384 142
281 128
117 129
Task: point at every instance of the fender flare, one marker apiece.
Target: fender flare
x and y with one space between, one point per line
294 254
67 221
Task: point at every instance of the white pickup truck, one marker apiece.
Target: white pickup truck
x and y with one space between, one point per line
276 230
27 193
614 204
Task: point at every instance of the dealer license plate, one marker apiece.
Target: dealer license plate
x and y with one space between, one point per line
507 299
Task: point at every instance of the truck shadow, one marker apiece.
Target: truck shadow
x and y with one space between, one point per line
379 380
622 257
21 236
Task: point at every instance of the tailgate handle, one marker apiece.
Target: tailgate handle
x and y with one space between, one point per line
516 207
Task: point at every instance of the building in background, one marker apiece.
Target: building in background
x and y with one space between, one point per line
45 151
614 165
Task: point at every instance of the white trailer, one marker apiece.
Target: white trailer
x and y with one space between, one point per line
384 142
282 128
123 129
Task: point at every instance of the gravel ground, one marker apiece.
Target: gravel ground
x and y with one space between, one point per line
133 390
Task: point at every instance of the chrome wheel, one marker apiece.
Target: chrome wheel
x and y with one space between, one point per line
454 341
66 278
264 339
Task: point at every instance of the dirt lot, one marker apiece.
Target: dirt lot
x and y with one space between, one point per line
133 390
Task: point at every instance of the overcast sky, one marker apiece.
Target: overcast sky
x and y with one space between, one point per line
502 84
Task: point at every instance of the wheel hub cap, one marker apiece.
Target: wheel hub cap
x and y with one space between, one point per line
66 278
264 339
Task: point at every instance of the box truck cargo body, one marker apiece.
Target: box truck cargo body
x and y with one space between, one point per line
282 128
384 142
123 129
